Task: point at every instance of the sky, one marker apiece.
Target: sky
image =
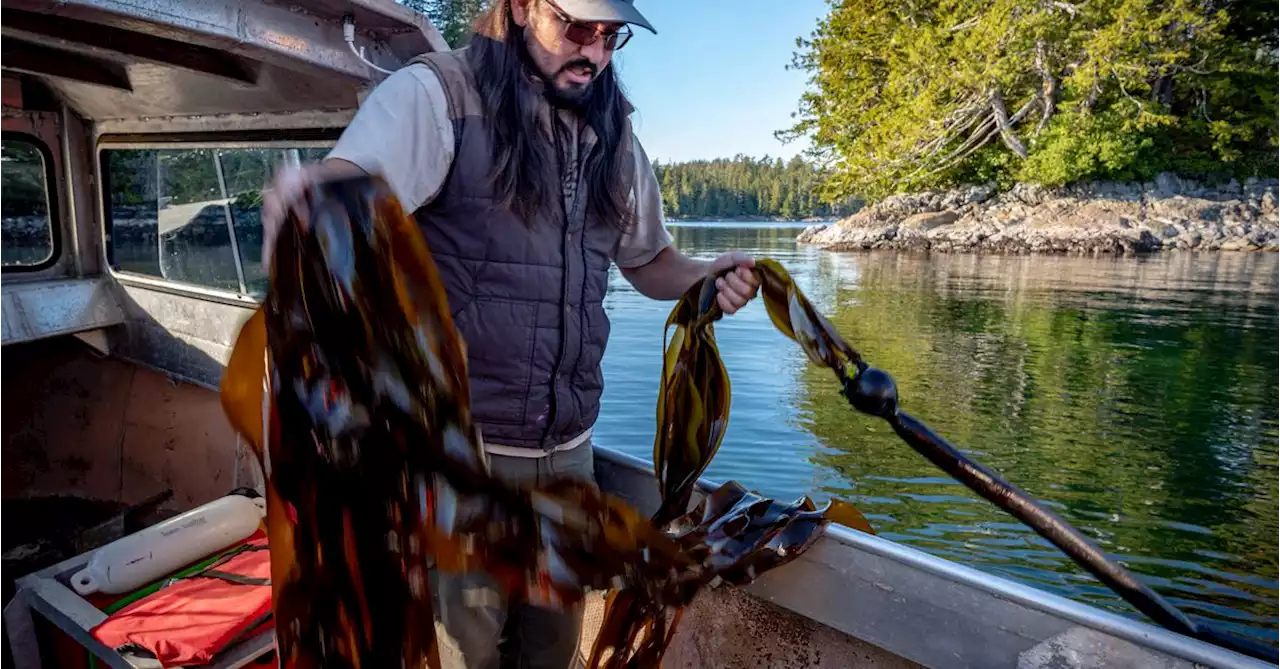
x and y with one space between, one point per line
713 82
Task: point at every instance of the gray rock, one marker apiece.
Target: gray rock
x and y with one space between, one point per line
1268 203
1169 183
1235 245
809 234
929 221
1097 218
979 194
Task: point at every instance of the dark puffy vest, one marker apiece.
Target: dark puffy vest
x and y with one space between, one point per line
527 297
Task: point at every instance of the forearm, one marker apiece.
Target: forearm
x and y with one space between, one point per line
668 275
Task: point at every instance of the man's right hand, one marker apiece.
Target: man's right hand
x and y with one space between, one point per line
288 191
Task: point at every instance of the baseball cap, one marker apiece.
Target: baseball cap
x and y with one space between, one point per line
605 11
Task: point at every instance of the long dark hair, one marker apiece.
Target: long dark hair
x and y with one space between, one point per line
522 152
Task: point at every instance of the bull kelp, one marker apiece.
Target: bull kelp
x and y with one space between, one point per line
691 427
350 382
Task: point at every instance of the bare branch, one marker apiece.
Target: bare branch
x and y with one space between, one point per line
1022 111
977 141
964 25
970 110
1006 129
1049 89
1120 81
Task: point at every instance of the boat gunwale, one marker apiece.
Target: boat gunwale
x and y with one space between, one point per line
1135 631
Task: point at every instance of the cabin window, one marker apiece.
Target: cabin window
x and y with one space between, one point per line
26 226
192 215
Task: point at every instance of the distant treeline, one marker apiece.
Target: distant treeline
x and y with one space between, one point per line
744 187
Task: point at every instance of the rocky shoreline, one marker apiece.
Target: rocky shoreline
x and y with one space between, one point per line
1100 217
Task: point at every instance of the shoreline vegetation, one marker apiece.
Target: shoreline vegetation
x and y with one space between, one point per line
749 219
1105 127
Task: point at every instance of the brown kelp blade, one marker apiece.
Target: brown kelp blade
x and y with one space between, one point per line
694 394
734 535
317 384
693 403
350 382
841 512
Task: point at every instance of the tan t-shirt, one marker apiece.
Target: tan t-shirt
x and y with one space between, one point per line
403 132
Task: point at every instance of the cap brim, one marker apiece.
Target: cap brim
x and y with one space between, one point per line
605 11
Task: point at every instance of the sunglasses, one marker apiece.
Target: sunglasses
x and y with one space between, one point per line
586 34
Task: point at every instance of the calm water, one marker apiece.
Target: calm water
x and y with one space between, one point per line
1137 397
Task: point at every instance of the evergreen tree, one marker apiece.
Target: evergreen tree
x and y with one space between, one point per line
927 93
453 18
743 186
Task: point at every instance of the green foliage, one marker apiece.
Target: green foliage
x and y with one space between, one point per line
24 179
906 96
453 18
1078 146
744 187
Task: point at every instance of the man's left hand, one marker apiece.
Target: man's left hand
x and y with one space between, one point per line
738 287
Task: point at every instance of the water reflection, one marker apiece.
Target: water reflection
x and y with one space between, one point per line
1136 397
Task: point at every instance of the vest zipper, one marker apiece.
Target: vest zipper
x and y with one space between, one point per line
554 409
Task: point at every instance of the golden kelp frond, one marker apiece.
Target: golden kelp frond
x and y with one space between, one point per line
732 534
694 393
693 404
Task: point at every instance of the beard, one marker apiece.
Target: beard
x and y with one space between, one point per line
572 96
568 96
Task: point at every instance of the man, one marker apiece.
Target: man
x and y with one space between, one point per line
516 157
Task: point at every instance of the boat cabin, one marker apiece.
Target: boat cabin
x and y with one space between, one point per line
137 135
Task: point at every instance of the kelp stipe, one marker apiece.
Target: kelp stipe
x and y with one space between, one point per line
873 392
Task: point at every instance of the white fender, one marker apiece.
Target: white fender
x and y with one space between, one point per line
144 556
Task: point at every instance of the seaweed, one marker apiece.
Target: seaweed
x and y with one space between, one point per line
350 383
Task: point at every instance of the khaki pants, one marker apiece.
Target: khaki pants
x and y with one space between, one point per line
492 632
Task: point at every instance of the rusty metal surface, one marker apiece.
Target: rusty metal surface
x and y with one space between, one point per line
321 119
63 419
175 436
298 52
11 92
35 310
729 629
78 423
